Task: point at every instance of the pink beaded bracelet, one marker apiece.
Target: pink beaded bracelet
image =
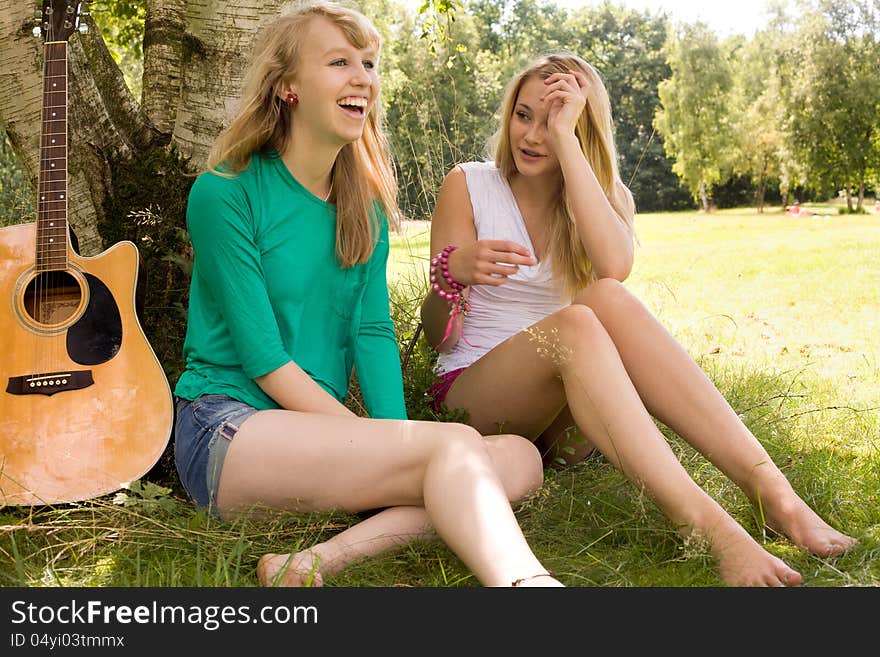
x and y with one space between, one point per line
442 260
460 306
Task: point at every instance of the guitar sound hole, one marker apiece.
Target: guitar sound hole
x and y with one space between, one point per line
52 297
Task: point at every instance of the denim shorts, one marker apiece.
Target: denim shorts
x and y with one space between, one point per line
203 429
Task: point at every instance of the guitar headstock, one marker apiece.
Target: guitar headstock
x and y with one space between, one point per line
58 19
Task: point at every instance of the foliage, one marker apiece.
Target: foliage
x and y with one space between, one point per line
626 47
740 190
16 197
435 19
122 26
146 496
796 105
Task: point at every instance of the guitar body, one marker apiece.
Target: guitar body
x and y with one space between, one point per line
85 406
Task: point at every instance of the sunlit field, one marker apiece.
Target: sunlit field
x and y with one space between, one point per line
747 291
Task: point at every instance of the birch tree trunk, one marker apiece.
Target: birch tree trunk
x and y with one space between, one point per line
164 29
220 38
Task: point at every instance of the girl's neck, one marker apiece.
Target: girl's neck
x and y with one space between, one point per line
535 191
310 161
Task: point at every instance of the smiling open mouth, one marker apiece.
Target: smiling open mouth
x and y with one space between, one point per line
353 105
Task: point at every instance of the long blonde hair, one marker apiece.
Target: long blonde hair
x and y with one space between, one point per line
363 173
568 260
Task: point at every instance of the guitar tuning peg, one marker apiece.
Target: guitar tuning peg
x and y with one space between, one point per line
37 31
83 28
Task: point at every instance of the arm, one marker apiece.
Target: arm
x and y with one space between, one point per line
295 390
603 233
605 237
475 262
376 355
452 222
228 262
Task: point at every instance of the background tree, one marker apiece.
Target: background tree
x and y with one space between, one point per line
694 117
757 113
833 107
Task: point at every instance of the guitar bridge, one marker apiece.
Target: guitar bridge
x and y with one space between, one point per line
49 383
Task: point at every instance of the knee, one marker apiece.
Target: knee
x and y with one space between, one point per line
459 438
518 464
604 295
577 323
609 288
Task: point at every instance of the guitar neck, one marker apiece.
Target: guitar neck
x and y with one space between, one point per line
51 246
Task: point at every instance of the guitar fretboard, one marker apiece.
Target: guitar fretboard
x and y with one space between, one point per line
51 247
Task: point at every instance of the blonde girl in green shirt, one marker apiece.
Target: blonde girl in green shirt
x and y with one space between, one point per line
289 229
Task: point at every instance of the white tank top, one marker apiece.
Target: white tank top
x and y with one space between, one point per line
499 312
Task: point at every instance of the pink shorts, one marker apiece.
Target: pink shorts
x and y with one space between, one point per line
439 390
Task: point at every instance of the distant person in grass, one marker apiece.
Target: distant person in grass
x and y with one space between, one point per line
537 333
290 232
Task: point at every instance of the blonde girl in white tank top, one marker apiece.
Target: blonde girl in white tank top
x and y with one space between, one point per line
538 244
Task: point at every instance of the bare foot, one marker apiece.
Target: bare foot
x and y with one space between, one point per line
298 569
789 515
742 561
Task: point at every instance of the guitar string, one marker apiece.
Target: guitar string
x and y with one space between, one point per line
41 219
51 275
43 224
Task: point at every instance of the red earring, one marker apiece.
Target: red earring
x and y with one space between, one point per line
292 99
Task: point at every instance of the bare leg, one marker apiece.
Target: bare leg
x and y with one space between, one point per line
380 533
312 462
678 393
523 383
513 458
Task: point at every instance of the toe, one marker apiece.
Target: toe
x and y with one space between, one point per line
792 577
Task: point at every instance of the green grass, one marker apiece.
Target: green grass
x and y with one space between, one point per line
781 313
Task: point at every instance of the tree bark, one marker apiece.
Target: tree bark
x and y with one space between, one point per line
762 186
164 28
219 40
704 197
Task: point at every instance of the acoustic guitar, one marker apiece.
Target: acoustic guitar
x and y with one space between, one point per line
85 406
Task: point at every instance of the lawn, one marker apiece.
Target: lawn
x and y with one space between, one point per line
752 292
782 314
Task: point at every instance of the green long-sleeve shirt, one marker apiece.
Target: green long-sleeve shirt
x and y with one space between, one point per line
267 289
